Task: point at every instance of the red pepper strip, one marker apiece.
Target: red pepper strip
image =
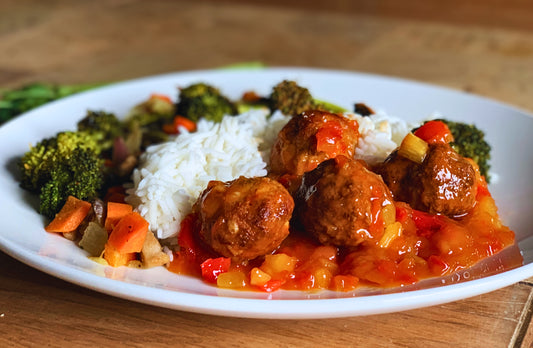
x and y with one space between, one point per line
427 224
272 285
185 237
402 213
434 132
328 139
211 268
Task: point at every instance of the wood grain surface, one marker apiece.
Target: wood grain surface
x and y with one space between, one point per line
484 47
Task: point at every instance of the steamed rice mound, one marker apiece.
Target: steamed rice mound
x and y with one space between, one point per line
171 176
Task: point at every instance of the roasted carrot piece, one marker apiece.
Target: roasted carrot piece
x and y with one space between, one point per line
162 97
179 121
129 234
115 212
115 258
70 216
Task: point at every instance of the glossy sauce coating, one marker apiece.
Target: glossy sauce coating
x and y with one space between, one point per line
244 218
445 183
425 246
311 138
391 225
342 203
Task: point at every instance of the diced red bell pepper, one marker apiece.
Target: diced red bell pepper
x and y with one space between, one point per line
402 214
186 236
211 268
427 224
434 132
272 285
328 139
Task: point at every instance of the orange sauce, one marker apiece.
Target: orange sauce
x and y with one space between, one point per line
425 246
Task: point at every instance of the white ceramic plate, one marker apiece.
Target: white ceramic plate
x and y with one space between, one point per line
508 130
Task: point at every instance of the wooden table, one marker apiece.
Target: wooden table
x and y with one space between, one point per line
480 46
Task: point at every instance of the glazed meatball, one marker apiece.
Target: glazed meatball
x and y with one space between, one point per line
311 138
244 218
444 182
342 203
397 172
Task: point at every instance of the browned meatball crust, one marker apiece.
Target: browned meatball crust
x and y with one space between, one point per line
444 183
244 218
341 202
311 138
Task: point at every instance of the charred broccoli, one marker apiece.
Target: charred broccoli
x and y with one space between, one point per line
201 100
68 163
103 127
290 98
79 176
469 141
38 162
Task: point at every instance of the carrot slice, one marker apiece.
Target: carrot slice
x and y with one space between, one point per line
115 212
129 234
162 97
70 216
115 258
179 121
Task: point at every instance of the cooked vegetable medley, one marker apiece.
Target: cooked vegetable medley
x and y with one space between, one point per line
321 217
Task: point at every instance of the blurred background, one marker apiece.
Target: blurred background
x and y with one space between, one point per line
482 46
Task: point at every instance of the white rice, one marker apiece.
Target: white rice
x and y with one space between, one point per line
171 175
380 134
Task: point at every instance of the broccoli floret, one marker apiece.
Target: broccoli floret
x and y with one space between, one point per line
67 164
469 141
201 100
103 127
37 164
291 99
79 175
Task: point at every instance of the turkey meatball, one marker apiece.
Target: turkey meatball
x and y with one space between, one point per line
244 218
444 182
342 203
311 138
